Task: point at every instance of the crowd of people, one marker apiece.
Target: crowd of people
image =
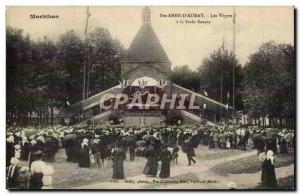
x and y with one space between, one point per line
97 146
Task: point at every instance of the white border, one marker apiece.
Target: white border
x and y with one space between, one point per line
5 3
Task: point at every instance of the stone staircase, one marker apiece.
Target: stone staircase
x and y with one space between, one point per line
189 118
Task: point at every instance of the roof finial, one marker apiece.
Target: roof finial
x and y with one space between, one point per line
146 15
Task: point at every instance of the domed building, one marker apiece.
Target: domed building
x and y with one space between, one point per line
146 57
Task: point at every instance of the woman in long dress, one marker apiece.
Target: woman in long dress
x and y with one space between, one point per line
151 164
84 157
268 176
165 157
118 156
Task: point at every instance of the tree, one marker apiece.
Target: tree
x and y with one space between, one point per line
18 59
217 69
185 77
44 74
105 54
269 80
70 55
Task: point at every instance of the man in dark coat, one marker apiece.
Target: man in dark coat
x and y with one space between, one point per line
131 143
165 157
118 156
151 164
271 144
24 149
172 139
51 147
195 139
70 143
259 143
189 150
102 149
283 145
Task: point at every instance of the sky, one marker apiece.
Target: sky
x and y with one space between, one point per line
185 44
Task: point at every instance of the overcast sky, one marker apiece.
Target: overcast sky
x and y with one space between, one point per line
184 43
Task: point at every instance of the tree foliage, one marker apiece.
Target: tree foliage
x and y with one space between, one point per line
185 77
269 80
45 74
105 54
217 70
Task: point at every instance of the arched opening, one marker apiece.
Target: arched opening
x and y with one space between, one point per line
153 75
148 81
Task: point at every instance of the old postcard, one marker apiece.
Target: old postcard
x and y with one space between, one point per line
150 98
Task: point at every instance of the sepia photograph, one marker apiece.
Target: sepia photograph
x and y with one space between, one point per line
150 98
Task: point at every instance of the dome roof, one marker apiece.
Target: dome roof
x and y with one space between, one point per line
146 47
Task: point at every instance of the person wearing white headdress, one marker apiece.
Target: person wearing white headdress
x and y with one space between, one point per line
84 157
37 174
13 173
268 175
